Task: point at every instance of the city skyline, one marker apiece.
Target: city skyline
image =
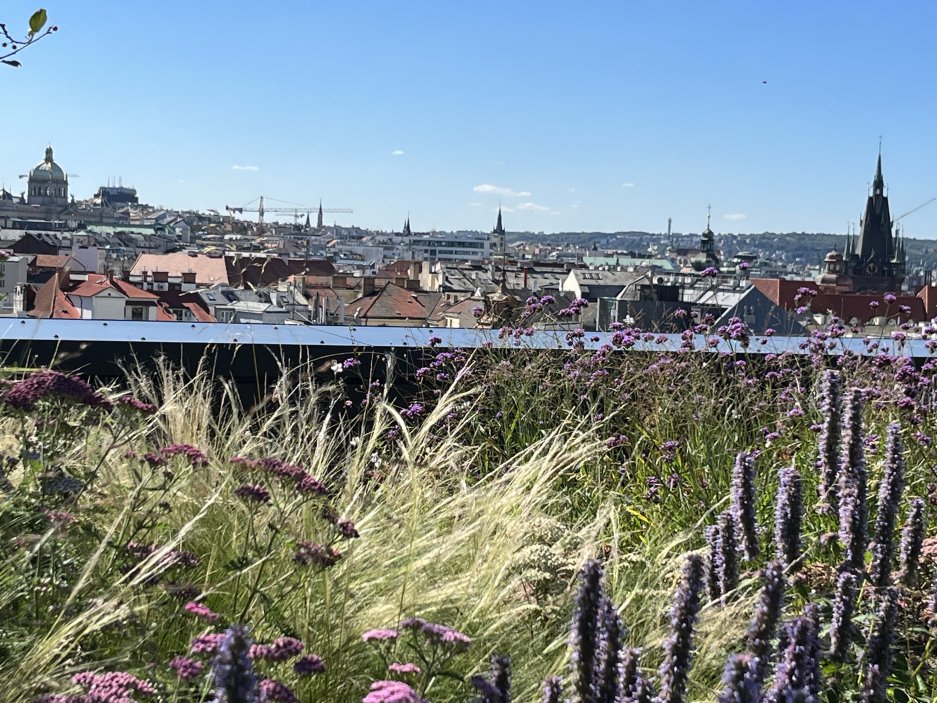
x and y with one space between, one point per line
602 118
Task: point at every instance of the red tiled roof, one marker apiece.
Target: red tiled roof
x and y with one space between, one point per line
198 313
209 270
394 302
846 305
50 261
98 282
51 302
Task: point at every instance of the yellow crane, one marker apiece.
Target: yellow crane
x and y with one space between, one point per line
257 205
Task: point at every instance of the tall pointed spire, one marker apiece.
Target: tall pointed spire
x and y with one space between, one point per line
319 218
406 227
499 228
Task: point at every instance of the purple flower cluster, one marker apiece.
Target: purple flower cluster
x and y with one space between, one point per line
391 692
301 480
276 692
313 553
788 516
797 675
195 456
201 610
206 643
253 493
574 308
912 543
437 633
380 635
280 650
404 668
112 686
186 669
709 272
25 394
128 401
829 439
308 665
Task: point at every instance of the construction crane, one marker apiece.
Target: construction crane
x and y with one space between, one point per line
913 210
257 205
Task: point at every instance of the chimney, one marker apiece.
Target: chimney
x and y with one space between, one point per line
367 285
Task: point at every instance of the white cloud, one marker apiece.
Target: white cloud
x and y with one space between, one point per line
397 152
532 207
475 204
503 209
629 184
238 167
500 190
575 206
735 216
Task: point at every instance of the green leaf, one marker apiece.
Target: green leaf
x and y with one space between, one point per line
37 21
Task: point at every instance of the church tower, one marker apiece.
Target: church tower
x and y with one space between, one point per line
498 241
876 261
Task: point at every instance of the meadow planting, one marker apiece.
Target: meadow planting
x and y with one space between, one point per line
598 526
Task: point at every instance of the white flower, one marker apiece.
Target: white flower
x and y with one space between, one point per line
336 367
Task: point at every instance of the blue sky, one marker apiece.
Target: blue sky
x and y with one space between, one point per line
573 115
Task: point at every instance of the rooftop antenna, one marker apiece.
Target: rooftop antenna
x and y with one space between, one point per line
709 214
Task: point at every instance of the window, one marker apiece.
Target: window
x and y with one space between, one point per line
136 313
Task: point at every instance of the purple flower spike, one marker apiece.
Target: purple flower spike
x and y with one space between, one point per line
889 498
232 670
912 543
678 649
741 682
788 516
743 503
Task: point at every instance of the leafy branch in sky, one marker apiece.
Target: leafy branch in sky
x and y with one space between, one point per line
11 45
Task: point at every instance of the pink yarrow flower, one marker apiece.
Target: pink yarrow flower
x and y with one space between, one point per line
201 610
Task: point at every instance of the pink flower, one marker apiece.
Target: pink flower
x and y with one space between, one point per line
406 668
384 635
201 610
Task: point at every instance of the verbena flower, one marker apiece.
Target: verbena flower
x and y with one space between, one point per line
253 493
276 692
889 499
678 648
391 692
797 676
788 516
233 676
743 503
25 394
308 665
112 686
844 603
440 634
853 485
206 643
912 542
280 650
404 668
195 455
585 630
741 682
314 553
129 401
829 439
767 615
186 669
608 652
201 610
380 635
878 648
